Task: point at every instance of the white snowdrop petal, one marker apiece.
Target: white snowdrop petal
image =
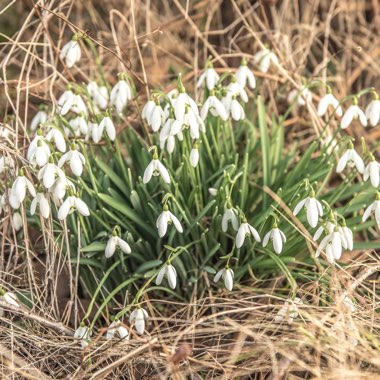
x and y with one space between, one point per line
81 206
110 247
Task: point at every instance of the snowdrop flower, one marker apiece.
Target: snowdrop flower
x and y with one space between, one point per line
156 168
277 237
39 118
302 96
332 244
120 94
352 159
353 112
83 334
76 160
166 218
71 52
245 230
49 173
33 145
17 221
115 241
168 132
329 227
264 58
9 297
138 316
71 204
156 117
348 235
98 94
212 191
372 172
40 200
194 156
108 125
3 202
56 135
18 190
227 274
373 208
313 209
6 162
215 106
237 111
372 112
61 185
329 100
236 89
79 125
194 123
210 76
230 215
244 74
148 109
116 327
183 102
170 273
41 154
289 311
71 102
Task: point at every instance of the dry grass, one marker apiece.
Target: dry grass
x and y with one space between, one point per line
231 336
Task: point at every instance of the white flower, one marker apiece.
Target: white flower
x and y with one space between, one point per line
79 126
245 230
99 95
227 274
6 162
138 316
147 110
210 76
244 74
71 102
70 204
3 201
332 244
230 215
76 160
114 242
40 154
56 135
277 237
237 111
106 124
165 218
352 159
372 112
373 208
59 188
184 102
353 112
313 209
71 52
18 191
265 58
83 334
155 117
289 311
212 191
329 226
168 132
49 173
194 122
348 236
194 156
236 89
40 200
155 168
39 118
116 327
17 221
120 94
170 273
329 100
9 297
214 105
302 96
372 171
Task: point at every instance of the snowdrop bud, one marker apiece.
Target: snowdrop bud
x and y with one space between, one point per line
83 333
138 317
353 112
277 237
170 273
17 221
372 112
237 111
313 209
373 208
71 52
194 156
244 75
210 76
264 58
120 94
116 327
212 191
9 297
76 160
166 218
372 172
39 118
227 274
230 215
352 159
41 201
329 100
156 168
244 231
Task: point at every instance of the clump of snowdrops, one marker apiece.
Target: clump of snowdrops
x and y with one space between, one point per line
199 190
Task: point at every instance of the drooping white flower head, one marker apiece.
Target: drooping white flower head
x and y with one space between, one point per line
75 158
352 159
98 94
41 201
83 334
148 109
79 126
49 173
215 106
107 125
71 52
227 274
115 241
302 96
289 311
236 110
353 112
244 231
156 168
235 89
70 204
155 117
329 100
372 172
373 208
230 216
17 193
372 112
193 122
184 102
17 221
71 102
170 273
9 297
40 154
60 187
194 156
313 209
117 328
348 235
166 218
277 237
244 75
138 317
264 58
39 118
171 129
332 245
56 135
121 94
209 76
